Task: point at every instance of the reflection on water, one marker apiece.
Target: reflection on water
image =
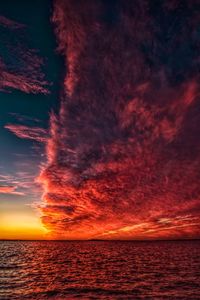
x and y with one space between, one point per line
99 270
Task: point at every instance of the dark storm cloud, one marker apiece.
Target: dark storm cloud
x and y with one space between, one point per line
124 148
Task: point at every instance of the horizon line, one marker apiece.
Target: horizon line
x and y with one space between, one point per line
101 240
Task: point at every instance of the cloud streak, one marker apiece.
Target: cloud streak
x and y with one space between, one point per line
21 182
123 155
26 132
10 190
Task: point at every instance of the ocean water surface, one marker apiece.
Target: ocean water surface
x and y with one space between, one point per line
99 270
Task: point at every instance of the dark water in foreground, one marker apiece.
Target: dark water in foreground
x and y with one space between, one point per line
99 270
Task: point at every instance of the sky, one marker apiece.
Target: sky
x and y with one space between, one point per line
100 119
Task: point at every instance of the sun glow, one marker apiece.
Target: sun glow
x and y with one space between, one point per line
21 226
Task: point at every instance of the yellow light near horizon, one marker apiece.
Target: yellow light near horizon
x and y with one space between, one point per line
21 226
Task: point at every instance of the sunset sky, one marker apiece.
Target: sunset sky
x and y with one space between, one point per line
99 119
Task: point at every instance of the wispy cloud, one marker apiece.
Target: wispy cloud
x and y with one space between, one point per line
10 23
25 132
20 82
24 118
21 181
23 73
10 190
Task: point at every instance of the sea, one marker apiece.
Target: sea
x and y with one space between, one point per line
99 270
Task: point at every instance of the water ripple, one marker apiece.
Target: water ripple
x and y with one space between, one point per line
99 270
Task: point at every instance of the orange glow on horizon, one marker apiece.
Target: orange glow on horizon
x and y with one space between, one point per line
21 226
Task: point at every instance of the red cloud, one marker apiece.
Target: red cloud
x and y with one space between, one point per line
20 82
33 133
10 190
123 156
